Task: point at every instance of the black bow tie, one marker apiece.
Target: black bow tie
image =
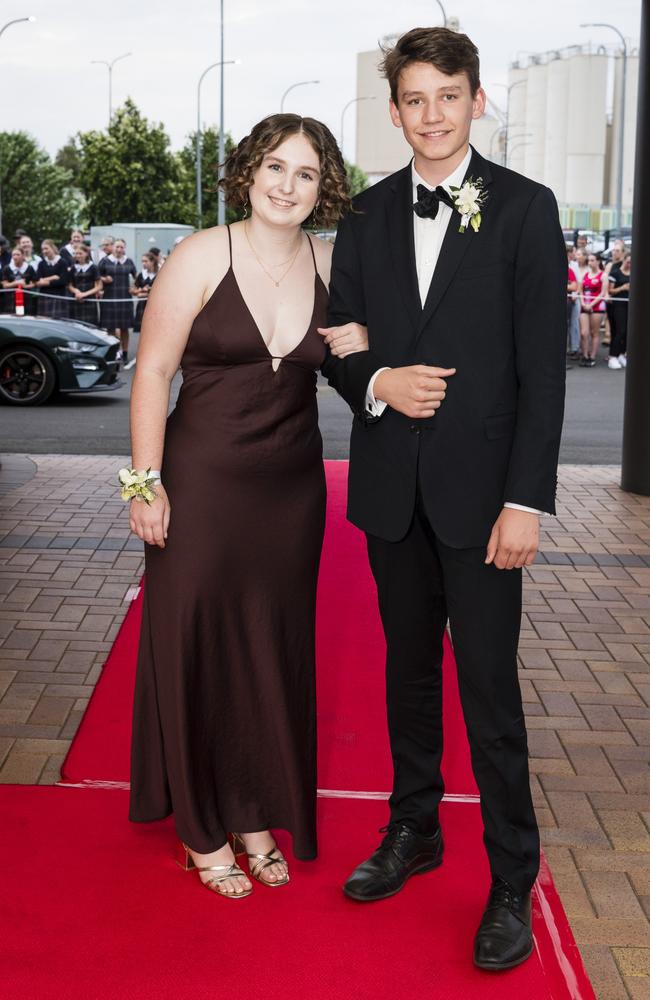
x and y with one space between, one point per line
428 201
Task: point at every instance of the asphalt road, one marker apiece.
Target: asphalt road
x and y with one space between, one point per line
99 424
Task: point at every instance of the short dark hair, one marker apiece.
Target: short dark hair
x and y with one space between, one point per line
451 52
334 196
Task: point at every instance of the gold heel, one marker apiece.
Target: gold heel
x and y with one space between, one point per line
183 857
237 844
187 863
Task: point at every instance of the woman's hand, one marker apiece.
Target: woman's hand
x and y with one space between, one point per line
346 339
150 522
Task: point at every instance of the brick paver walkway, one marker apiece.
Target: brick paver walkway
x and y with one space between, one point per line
68 568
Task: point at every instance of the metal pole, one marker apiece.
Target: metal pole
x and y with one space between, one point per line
635 474
109 67
221 204
621 140
303 83
509 87
497 131
354 100
16 20
199 193
110 94
444 15
198 144
621 131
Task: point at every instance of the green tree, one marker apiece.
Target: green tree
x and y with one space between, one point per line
69 157
129 173
37 195
209 174
357 179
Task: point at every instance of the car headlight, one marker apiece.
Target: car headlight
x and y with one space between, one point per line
76 347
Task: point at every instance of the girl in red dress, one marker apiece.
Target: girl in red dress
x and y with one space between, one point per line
593 290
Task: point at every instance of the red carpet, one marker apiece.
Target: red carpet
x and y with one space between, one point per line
97 910
353 746
99 902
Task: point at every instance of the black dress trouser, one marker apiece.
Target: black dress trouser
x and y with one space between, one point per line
421 585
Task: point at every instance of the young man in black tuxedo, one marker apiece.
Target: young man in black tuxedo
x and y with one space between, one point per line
458 411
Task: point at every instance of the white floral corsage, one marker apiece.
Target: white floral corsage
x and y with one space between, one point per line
469 200
137 485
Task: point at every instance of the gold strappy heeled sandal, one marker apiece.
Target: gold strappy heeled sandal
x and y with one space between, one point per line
258 863
187 863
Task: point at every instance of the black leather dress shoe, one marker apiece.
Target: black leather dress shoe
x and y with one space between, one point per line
403 852
504 937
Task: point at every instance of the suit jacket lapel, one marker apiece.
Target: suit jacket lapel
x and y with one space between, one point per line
399 217
454 246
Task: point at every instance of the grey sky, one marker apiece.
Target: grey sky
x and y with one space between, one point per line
51 90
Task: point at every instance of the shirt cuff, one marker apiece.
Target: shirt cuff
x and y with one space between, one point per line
375 407
529 510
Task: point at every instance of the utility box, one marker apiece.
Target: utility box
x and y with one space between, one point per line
140 237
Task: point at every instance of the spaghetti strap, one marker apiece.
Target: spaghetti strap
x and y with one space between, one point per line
229 243
313 255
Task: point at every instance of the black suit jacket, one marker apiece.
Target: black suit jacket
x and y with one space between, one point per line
496 311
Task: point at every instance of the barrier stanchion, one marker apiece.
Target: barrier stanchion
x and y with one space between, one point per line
19 301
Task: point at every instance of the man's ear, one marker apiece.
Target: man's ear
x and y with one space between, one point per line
479 102
394 113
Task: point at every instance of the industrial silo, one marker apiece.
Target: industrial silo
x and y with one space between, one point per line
586 131
557 121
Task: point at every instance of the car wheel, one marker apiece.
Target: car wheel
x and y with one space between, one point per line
27 376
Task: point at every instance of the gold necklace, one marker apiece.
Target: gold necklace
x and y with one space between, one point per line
291 260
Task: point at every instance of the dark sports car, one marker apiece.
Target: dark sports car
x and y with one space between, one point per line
39 356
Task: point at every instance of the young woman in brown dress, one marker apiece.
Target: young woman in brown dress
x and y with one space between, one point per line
224 731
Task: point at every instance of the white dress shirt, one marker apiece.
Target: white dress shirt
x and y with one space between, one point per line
428 236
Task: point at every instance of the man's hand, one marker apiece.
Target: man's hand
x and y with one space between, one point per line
514 540
416 391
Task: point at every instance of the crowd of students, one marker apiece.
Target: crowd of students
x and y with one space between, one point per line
109 292
598 296
66 283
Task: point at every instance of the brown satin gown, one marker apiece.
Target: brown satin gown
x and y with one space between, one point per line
224 725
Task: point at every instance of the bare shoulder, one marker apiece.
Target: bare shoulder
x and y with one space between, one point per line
198 263
323 255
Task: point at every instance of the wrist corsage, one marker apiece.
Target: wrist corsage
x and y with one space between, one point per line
137 485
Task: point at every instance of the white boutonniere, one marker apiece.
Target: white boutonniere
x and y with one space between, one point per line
469 200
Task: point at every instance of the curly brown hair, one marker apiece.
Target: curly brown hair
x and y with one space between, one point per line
333 194
451 52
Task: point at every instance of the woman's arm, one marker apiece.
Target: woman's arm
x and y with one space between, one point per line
165 329
602 294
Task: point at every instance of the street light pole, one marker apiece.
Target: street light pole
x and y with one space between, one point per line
509 87
444 15
221 198
516 146
16 20
621 130
303 83
355 100
199 191
109 66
